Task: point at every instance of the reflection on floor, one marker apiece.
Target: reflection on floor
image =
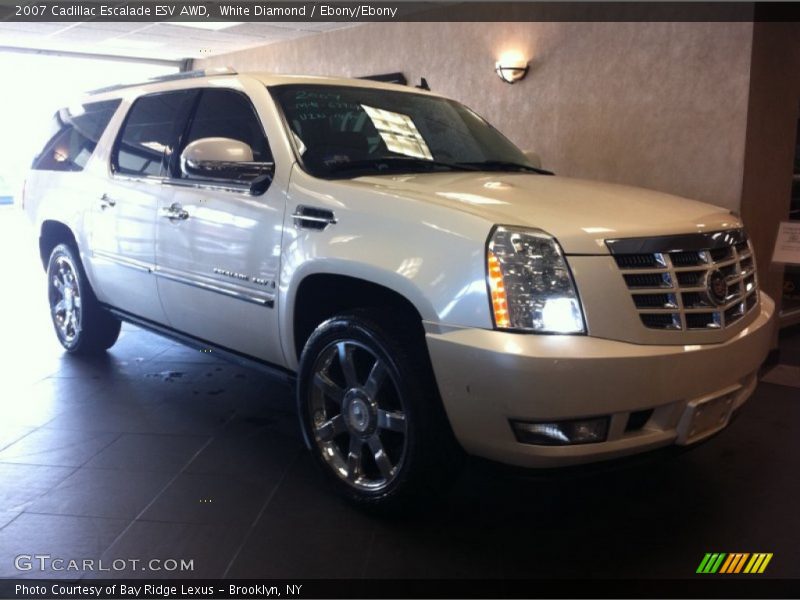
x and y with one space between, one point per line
787 375
158 451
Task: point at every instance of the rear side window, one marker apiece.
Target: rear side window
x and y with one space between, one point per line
149 134
75 133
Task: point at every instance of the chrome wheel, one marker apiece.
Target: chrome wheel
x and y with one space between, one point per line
65 299
357 414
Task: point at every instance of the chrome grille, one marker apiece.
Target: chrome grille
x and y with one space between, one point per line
689 282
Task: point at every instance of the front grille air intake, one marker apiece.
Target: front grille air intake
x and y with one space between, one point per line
689 282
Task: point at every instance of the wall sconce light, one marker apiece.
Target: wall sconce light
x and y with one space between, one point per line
511 67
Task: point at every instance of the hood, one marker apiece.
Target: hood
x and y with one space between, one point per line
580 214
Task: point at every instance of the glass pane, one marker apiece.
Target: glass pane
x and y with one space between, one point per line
77 131
229 114
150 131
337 128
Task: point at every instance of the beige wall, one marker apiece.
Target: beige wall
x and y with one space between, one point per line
660 105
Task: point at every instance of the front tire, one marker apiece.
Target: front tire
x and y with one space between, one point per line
82 325
370 412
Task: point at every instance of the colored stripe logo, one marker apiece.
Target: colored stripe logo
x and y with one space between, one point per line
734 563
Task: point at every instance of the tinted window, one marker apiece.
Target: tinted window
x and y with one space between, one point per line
229 114
352 130
75 133
150 133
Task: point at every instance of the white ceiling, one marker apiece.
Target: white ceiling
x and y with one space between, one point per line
152 40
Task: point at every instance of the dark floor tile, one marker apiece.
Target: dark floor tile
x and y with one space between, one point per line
56 447
115 415
249 451
209 499
147 389
790 345
21 484
180 353
207 548
101 493
64 537
173 371
433 555
135 344
271 416
216 385
196 418
251 383
304 553
306 500
127 414
148 452
104 368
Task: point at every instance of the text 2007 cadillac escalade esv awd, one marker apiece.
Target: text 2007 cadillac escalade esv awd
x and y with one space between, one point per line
432 288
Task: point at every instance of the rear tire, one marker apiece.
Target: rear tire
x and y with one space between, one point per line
82 325
371 415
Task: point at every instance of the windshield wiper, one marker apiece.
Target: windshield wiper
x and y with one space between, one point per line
393 163
502 165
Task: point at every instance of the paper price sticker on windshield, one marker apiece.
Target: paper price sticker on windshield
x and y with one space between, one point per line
787 244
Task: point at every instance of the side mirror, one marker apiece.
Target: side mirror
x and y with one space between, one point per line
533 158
224 159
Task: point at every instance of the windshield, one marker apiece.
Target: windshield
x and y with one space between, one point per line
344 131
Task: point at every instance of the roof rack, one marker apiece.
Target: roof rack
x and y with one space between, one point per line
175 77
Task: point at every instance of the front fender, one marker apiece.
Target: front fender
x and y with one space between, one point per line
430 255
348 268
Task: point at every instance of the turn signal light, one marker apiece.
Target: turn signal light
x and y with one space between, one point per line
498 291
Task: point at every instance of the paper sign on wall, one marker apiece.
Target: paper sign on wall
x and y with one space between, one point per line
787 245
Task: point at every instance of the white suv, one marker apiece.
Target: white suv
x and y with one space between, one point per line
431 287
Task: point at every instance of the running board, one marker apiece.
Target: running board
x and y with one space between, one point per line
227 354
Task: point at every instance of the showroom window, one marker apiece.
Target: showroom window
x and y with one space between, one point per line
229 114
76 132
150 131
29 102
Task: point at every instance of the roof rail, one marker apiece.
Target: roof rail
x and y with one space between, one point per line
174 77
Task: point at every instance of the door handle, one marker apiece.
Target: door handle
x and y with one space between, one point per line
107 201
311 217
175 212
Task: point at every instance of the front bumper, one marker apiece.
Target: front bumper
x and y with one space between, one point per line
487 378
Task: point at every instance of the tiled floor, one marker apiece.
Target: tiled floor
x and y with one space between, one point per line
122 458
790 346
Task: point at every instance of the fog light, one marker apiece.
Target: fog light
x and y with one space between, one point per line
561 433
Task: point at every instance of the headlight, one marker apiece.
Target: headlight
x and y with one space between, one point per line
530 284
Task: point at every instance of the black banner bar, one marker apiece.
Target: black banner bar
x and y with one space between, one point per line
705 586
384 11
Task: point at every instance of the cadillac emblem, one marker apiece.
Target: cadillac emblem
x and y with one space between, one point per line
716 287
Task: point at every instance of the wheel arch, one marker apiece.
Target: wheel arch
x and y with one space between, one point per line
51 234
320 294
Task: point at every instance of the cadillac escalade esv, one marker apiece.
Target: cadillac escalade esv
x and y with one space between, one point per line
434 291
